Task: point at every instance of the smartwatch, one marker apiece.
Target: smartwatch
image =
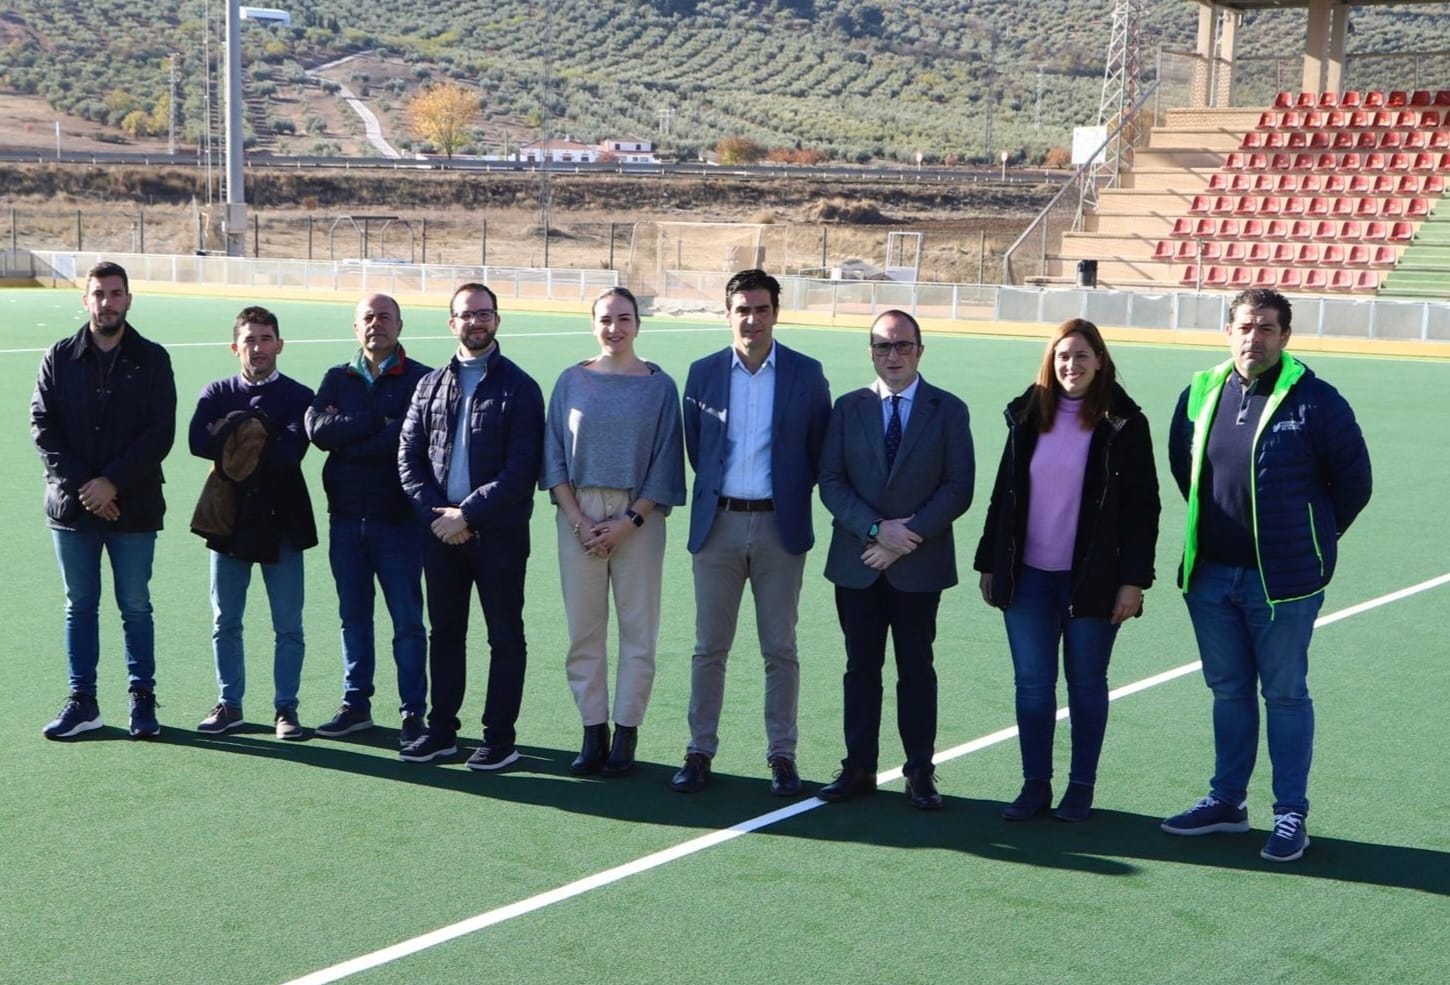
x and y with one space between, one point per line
873 530
634 518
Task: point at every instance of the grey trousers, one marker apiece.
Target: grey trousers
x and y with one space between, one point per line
634 574
745 547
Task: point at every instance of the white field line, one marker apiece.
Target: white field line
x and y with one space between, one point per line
517 337
462 928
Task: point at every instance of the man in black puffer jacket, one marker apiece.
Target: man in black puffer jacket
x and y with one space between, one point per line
373 533
1275 469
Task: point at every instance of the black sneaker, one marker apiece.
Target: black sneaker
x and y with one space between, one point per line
223 718
411 730
143 715
429 746
345 722
486 758
80 713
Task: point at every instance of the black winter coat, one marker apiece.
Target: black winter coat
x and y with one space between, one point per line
1117 527
120 424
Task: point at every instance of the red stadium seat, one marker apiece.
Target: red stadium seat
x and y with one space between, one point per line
1442 97
1439 140
1200 205
1376 231
1352 161
1343 140
1240 278
1366 281
1228 228
1253 229
1282 254
1373 99
1391 140
1259 253
1314 120
1358 255
1333 255
1341 280
1235 252
1253 140
1416 140
1374 162
1318 207
1284 100
1407 119
1256 161
1266 277
1434 184
1164 250
1189 277
1219 182
1271 205
1276 228
1361 119
1234 162
1321 140
1421 97
1267 119
1335 184
1301 229
1245 205
1384 119
1215 277
1367 140
1289 120
1367 208
1182 226
1392 208
1397 98
1349 230
1315 279
1343 208
1384 184
1311 184
1308 255
1303 161
1401 232
1359 184
1326 229
1398 161
1351 98
1328 100
1291 279
1383 256
1416 208
1429 119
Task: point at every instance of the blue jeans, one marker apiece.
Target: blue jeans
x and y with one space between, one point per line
359 551
284 581
1243 642
79 554
1037 621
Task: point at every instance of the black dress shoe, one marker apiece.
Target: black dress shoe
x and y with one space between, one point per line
1035 799
921 790
593 751
852 781
692 777
784 780
621 754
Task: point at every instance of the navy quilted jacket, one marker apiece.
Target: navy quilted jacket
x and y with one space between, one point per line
506 444
1311 475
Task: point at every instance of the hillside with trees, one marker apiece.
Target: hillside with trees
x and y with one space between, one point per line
850 80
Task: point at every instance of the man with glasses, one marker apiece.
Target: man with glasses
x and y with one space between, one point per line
897 469
469 457
373 535
755 418
103 417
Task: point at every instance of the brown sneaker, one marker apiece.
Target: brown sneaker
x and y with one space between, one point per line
287 727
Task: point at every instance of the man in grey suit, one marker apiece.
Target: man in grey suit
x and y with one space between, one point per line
755 419
896 470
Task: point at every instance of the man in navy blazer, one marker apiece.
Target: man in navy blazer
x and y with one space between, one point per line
896 471
755 417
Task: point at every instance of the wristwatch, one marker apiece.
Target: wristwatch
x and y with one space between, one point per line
634 518
872 531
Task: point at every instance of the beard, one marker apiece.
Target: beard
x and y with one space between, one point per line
100 327
476 342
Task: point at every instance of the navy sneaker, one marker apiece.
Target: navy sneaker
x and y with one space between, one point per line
1208 816
223 718
411 730
1288 840
487 758
429 746
80 713
347 721
143 715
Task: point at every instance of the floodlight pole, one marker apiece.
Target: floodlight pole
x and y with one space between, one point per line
234 221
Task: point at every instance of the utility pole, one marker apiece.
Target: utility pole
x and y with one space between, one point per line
546 185
1037 109
234 223
171 121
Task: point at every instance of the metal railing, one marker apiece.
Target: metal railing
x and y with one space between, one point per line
1064 213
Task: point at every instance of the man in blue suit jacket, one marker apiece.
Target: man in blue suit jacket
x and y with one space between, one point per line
896 471
755 419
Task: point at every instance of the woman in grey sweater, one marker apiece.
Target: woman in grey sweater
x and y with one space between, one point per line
614 465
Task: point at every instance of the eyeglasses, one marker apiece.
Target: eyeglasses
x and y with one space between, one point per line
904 347
482 314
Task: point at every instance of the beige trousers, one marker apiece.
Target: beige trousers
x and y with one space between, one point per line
633 572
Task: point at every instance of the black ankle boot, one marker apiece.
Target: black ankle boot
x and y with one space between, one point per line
593 752
621 754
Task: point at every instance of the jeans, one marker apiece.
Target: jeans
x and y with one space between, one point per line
284 581
1037 620
361 550
79 554
1242 641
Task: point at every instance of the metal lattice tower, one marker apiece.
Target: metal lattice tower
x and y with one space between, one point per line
1121 84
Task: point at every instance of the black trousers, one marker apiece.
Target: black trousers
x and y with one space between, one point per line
493 564
866 614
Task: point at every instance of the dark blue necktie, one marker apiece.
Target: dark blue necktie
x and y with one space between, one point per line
893 432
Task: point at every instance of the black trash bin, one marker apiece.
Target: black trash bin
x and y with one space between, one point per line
1087 273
